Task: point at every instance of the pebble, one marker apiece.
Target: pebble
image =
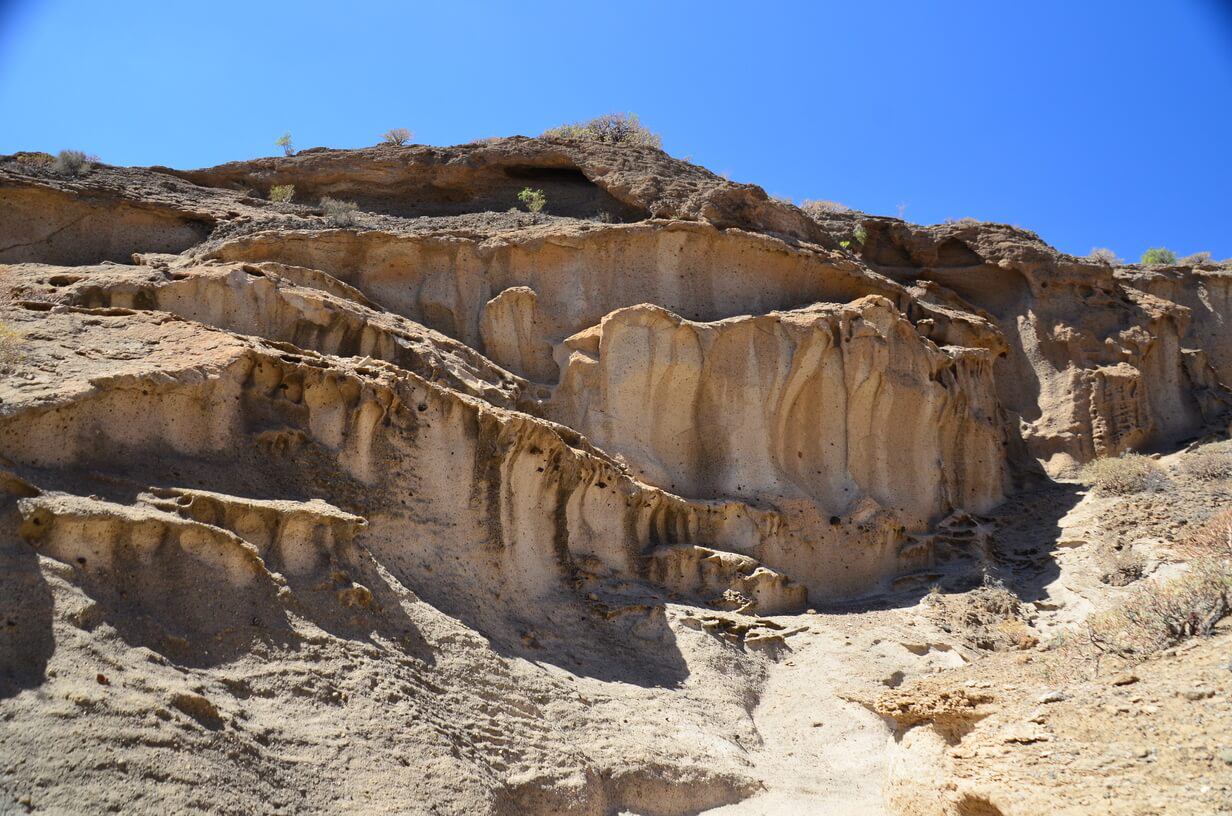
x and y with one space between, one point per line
1054 696
1225 756
1124 679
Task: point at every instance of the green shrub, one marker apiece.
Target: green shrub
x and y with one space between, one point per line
340 213
73 163
861 234
284 141
1105 256
1122 475
396 137
611 128
281 193
1158 256
534 200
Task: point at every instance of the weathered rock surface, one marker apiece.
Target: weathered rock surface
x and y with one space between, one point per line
504 508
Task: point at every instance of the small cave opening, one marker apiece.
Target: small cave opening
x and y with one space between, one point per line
953 252
493 189
570 193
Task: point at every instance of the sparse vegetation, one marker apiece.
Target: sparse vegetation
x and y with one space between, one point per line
34 160
284 141
73 163
988 617
1122 475
602 216
1162 614
1158 256
1212 539
10 344
963 222
861 234
611 128
1104 256
1209 462
818 209
340 213
396 137
282 193
534 200
1195 259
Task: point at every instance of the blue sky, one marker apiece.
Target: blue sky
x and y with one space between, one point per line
1093 123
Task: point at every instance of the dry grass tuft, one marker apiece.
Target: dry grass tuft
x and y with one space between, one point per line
10 344
819 209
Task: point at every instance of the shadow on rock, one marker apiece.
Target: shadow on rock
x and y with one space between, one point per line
26 641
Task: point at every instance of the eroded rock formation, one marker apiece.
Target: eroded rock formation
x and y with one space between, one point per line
485 443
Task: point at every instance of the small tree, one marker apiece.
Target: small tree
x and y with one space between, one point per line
534 200
611 128
397 137
1158 256
282 193
1105 256
284 141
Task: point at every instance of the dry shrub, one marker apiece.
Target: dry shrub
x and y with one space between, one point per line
396 137
281 193
1195 259
1210 462
340 213
1159 615
1213 539
611 128
1122 475
73 163
819 209
988 617
1104 256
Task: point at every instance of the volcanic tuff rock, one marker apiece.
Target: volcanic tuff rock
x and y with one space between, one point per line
454 442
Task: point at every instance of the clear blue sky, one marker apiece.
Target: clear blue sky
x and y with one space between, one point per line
1093 122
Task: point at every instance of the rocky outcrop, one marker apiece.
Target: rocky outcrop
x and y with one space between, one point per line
580 179
575 276
831 404
1094 366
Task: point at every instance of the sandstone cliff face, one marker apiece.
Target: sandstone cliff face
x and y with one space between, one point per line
482 443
